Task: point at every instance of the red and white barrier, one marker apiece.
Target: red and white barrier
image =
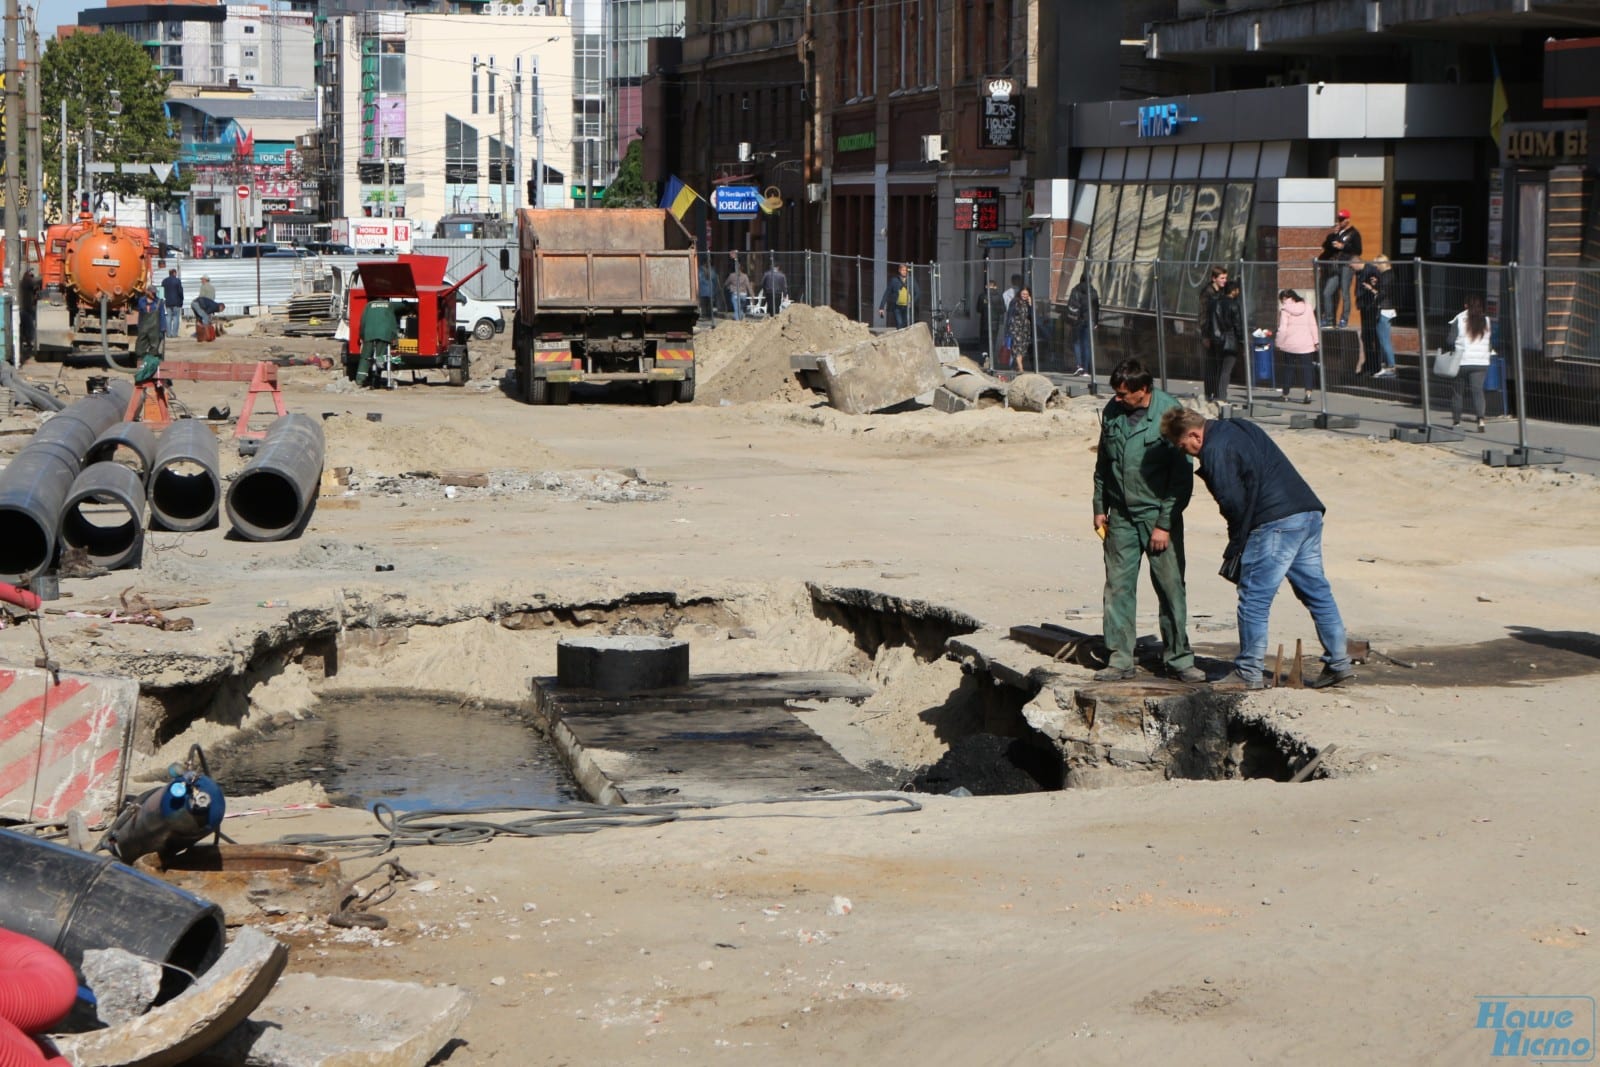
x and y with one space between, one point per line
62 745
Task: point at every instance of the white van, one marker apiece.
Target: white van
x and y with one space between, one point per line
479 318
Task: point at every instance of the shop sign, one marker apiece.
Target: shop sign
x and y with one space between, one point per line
1000 123
1545 143
977 208
514 9
856 142
1162 120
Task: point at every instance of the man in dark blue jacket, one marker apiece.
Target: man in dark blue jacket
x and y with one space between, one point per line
1274 532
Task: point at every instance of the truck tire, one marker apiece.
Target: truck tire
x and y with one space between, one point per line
560 393
683 392
538 390
658 394
459 375
483 329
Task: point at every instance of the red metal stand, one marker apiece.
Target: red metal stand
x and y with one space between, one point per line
150 399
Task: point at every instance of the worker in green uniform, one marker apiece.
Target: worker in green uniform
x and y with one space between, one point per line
147 342
379 331
1141 486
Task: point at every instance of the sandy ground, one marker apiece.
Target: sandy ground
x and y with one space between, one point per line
1355 919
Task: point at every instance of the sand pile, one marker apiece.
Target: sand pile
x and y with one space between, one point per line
394 448
748 362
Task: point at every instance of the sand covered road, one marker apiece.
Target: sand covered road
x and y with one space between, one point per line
1344 920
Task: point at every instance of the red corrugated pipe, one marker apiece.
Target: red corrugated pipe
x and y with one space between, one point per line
20 597
37 989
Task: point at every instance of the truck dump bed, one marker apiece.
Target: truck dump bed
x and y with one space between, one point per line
616 259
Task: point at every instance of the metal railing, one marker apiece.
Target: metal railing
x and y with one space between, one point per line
1540 391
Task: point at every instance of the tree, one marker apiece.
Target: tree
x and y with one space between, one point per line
628 188
97 73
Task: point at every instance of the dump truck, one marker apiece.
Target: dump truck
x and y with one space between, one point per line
603 296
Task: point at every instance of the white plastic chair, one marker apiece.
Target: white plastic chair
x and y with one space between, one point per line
755 306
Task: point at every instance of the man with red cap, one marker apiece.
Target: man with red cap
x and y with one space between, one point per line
1341 246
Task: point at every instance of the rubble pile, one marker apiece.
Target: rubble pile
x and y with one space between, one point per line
748 362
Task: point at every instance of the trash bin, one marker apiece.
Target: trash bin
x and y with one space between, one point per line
1261 359
1494 381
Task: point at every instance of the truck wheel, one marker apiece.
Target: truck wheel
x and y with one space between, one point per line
483 330
560 393
538 390
459 375
658 394
683 392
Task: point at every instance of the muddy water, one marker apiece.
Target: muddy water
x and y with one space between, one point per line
411 753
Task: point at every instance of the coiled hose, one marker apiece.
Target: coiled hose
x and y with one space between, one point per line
37 989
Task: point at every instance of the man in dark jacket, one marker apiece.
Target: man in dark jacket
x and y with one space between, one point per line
1274 532
172 296
899 298
1141 486
1339 248
147 343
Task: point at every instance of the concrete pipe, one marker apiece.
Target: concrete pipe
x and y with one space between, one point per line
136 437
104 515
184 487
271 498
33 488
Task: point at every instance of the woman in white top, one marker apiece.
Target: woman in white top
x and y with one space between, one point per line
1471 331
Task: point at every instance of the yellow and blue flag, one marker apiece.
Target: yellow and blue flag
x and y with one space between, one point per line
1498 105
678 198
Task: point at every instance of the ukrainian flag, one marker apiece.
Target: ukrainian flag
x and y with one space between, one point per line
1498 105
678 198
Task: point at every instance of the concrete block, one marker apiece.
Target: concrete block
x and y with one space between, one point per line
949 403
62 747
887 370
195 1020
622 664
464 478
1030 392
124 985
310 1021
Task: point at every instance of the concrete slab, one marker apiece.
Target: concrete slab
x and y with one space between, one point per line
719 739
882 372
62 742
311 1021
195 1020
950 403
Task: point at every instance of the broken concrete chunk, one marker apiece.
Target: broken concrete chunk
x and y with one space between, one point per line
193 1021
1030 392
887 370
973 384
949 402
465 479
310 1021
124 985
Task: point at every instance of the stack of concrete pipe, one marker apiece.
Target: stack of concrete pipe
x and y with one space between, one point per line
35 486
71 485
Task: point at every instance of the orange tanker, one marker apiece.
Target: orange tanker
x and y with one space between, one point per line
90 260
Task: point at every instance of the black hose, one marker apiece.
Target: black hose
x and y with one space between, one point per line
184 486
272 497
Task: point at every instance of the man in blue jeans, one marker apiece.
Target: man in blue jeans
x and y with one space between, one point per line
1274 532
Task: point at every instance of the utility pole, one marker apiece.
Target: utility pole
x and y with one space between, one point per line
62 196
13 101
33 221
500 150
517 173
538 129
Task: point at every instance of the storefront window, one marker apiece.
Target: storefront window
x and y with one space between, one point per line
1148 247
1118 288
1235 220
1105 217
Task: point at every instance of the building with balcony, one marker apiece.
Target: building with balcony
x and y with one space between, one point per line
214 43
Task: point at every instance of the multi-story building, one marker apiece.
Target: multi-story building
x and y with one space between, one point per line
426 115
213 43
747 107
630 26
928 115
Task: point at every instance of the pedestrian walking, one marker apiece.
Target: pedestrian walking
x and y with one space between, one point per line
172 297
1021 333
1384 313
775 287
738 286
1297 342
1221 334
1470 337
899 298
1274 533
1083 315
708 290
1141 486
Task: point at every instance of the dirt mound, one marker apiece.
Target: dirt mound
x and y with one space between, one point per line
748 362
393 448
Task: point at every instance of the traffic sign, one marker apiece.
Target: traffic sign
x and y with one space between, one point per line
736 201
242 192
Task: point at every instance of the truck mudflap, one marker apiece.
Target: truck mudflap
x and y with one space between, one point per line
674 364
554 362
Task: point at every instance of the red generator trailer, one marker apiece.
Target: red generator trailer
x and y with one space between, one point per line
424 305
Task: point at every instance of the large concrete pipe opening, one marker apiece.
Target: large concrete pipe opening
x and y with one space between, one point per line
104 514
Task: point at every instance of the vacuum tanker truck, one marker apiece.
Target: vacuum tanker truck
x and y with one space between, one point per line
98 264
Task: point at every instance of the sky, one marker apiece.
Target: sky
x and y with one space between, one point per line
52 13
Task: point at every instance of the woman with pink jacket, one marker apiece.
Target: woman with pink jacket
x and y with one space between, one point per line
1298 343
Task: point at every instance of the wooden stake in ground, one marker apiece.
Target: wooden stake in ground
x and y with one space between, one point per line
1297 674
1277 672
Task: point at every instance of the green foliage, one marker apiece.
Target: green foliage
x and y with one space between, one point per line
83 69
629 189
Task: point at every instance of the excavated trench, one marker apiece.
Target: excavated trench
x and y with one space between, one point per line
421 712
